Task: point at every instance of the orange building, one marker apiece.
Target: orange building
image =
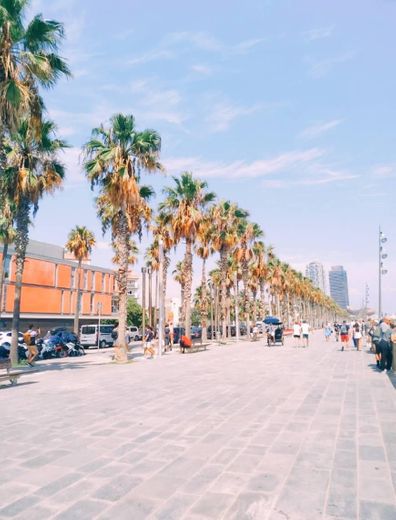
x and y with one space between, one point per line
49 290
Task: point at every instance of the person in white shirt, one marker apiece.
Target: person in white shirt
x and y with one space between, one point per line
297 333
305 329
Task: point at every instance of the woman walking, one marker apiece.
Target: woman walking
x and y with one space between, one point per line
328 331
357 336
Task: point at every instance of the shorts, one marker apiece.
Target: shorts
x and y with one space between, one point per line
296 336
305 336
344 337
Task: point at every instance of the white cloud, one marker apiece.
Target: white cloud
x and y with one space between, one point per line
318 129
243 169
319 69
202 70
178 43
224 113
384 170
318 33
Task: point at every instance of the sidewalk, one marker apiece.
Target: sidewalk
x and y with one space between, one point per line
236 432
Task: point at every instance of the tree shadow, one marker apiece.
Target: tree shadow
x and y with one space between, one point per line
3 386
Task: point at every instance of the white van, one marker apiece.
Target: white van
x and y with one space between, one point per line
89 335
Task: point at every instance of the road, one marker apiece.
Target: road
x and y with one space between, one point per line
237 432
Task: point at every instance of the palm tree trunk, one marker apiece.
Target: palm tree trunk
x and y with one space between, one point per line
165 275
223 290
188 287
121 350
2 274
21 242
245 276
78 302
262 298
204 316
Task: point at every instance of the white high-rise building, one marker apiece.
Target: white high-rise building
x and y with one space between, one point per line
315 272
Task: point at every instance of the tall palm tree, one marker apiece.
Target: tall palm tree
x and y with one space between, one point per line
204 249
80 243
248 233
163 231
226 217
179 275
28 62
7 236
183 208
33 171
114 160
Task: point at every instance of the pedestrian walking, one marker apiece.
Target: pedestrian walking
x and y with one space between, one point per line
385 345
344 334
305 330
336 331
357 335
297 334
328 331
375 334
30 337
148 340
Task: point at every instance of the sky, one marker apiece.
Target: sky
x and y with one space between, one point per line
286 107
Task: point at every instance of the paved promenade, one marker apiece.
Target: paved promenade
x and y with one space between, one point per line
237 432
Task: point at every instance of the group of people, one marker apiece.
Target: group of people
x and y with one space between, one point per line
379 335
150 335
301 331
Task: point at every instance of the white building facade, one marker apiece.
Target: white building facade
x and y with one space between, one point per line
316 273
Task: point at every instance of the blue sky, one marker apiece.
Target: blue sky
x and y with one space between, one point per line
285 107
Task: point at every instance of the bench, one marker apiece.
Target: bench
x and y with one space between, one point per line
196 347
11 375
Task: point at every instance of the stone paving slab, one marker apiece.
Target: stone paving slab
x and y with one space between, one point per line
241 431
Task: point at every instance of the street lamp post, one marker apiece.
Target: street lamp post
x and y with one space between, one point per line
381 257
99 308
150 296
236 308
161 324
143 301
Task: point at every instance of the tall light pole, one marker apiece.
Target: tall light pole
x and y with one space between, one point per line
381 271
161 324
143 301
99 317
236 308
150 296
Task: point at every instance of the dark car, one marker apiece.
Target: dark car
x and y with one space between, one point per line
196 332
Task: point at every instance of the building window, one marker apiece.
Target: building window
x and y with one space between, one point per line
103 285
85 280
56 274
92 303
114 305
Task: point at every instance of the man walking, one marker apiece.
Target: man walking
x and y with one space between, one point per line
305 329
344 334
30 337
385 345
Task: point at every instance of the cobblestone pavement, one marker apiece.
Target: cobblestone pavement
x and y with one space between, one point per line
236 432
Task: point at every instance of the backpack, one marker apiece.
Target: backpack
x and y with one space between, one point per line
344 329
27 338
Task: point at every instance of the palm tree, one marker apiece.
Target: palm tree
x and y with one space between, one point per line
248 233
226 217
80 243
204 249
183 209
7 236
179 276
33 171
28 62
114 160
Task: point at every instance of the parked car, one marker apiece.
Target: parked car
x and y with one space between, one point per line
196 332
134 333
90 336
